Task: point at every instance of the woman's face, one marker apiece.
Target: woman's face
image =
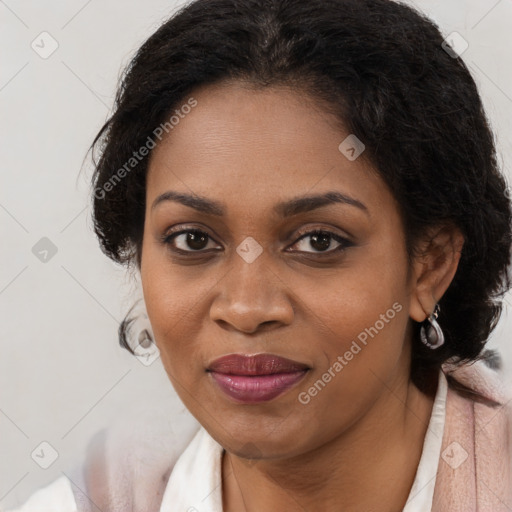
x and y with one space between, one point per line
253 281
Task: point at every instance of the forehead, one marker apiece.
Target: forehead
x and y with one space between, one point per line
256 147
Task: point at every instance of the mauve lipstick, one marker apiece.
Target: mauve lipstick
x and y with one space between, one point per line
255 378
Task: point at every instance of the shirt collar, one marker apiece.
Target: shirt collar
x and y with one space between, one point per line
195 483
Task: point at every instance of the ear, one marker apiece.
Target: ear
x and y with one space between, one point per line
434 266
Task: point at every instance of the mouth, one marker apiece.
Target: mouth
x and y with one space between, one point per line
256 378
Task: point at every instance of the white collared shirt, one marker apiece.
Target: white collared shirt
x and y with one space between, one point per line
195 483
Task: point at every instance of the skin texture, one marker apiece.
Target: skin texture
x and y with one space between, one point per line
359 440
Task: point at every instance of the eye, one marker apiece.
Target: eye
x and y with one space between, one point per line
188 240
321 241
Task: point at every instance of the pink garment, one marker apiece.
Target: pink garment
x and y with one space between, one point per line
483 482
128 469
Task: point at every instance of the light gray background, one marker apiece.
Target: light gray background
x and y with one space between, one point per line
62 374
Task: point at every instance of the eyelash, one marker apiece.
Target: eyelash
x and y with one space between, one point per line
168 239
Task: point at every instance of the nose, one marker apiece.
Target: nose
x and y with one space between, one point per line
251 298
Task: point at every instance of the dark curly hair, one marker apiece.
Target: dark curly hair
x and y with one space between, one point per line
382 69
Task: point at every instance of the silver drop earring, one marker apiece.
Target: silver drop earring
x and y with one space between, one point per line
145 339
431 333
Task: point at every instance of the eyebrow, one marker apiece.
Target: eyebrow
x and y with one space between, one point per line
284 209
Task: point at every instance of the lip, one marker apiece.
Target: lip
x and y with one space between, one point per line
255 378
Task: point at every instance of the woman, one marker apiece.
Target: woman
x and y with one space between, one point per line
310 192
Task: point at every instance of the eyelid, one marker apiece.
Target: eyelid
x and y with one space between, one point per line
344 240
183 229
324 229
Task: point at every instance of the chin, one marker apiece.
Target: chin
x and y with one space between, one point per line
260 440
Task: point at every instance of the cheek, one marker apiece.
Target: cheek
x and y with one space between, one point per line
170 304
354 298
365 326
178 309
361 324
361 315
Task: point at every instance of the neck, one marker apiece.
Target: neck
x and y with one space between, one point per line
371 466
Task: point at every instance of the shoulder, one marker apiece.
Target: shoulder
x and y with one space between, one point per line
482 384
126 466
481 389
56 497
476 456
